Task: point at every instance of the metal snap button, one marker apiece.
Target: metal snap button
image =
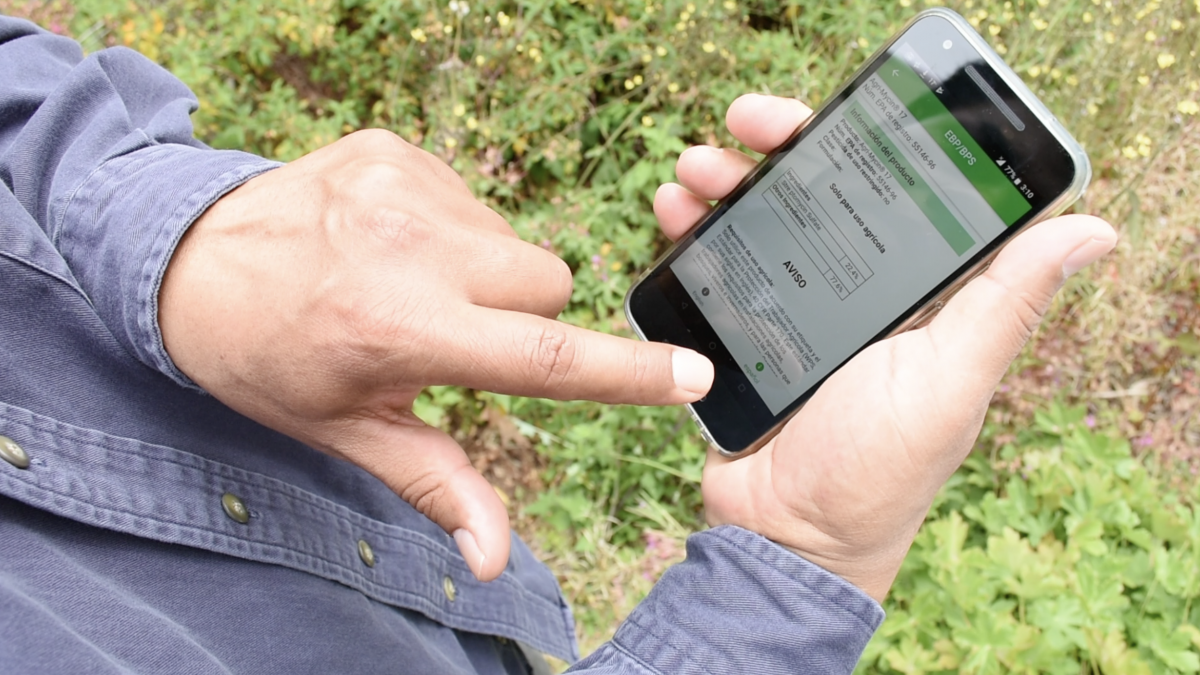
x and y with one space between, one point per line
449 588
366 553
13 453
235 508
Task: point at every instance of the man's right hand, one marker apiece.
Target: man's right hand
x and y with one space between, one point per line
848 481
320 298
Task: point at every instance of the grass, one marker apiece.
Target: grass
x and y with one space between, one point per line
566 115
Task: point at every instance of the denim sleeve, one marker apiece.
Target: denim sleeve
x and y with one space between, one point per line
741 604
99 154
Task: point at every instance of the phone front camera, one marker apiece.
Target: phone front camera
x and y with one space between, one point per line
947 44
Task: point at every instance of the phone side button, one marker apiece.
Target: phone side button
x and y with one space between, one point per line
703 430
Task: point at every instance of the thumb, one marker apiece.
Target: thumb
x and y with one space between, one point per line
429 470
983 328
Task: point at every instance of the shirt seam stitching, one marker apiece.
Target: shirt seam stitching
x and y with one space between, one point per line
309 499
663 638
420 601
166 240
103 166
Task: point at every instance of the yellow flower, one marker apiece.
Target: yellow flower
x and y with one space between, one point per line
1087 17
418 34
472 123
1034 71
1130 152
605 248
906 3
637 79
1040 24
709 47
1092 108
447 29
1143 80
863 43
1151 36
451 143
1176 24
629 84
994 29
479 60
459 110
647 57
647 121
616 267
1188 107
1109 37
673 87
502 19
660 50
730 5
1166 60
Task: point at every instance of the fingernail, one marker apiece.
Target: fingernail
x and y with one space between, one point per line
1086 254
469 549
693 373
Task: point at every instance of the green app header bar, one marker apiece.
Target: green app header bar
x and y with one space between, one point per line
995 187
909 180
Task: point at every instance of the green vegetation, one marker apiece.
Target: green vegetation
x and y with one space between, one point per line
1070 542
1070 558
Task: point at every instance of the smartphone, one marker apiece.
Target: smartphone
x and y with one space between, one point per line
901 188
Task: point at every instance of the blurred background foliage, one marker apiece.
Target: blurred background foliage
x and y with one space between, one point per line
1069 542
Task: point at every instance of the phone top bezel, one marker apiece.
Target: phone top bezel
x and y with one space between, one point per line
922 311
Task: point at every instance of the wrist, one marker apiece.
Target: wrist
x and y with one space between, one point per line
870 572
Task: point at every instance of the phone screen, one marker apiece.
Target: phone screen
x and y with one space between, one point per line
924 164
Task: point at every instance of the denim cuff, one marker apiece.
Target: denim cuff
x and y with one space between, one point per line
121 226
743 604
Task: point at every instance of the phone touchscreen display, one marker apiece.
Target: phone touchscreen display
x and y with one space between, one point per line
877 204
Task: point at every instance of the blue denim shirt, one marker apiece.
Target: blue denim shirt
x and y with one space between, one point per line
117 551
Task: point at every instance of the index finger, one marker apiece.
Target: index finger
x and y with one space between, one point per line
526 355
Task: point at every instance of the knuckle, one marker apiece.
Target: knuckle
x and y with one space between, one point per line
641 366
1027 311
427 496
399 230
371 141
552 354
1024 308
